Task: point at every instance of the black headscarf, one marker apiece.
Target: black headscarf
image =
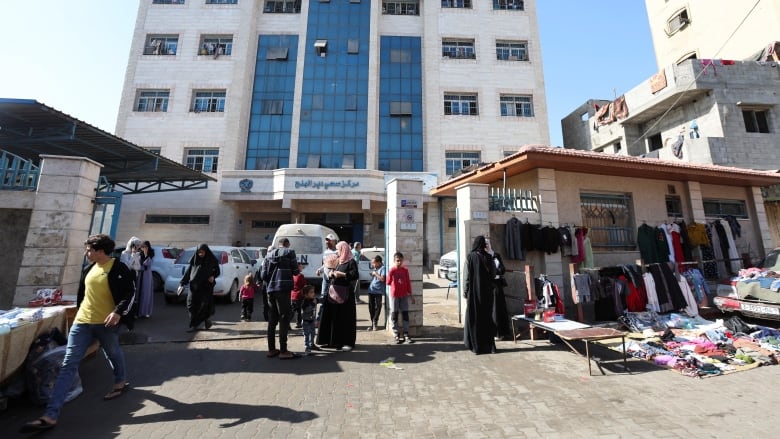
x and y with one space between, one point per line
201 268
484 258
479 244
149 253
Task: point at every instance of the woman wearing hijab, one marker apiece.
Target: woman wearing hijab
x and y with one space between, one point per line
338 325
500 313
479 329
200 275
145 281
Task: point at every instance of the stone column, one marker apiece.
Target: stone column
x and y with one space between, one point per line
59 225
404 229
472 219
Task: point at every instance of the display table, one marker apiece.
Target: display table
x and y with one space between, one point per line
15 344
569 330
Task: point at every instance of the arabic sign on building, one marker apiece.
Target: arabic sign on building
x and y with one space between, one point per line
326 184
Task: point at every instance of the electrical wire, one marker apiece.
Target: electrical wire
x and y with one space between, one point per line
693 81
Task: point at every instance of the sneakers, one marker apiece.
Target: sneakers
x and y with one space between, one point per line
307 352
398 340
408 340
208 324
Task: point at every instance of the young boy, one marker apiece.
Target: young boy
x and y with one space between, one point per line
308 316
296 295
247 294
400 294
376 290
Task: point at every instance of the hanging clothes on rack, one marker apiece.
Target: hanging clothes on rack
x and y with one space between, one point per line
686 241
513 239
548 294
670 297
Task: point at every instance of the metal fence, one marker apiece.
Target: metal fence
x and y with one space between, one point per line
17 173
512 200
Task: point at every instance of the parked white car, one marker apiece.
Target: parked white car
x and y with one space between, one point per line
448 266
234 265
164 257
364 264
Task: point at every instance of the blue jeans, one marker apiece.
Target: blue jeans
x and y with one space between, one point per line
308 334
80 338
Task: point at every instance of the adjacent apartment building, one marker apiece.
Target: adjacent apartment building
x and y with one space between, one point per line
713 100
304 110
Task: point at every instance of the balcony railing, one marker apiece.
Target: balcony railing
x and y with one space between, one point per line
512 200
17 173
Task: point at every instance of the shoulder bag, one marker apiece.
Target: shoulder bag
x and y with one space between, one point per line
338 293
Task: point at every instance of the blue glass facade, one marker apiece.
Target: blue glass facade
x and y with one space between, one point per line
270 123
400 105
334 99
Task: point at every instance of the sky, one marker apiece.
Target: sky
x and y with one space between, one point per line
72 55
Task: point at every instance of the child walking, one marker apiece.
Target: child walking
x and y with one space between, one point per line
308 316
376 290
400 294
296 295
247 298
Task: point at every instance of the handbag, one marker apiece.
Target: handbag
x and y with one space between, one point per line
338 293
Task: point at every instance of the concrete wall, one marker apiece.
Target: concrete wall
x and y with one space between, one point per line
15 224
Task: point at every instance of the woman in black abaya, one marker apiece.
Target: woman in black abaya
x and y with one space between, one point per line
500 313
479 329
200 275
338 326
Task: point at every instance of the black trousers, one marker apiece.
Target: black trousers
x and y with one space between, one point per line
375 307
279 314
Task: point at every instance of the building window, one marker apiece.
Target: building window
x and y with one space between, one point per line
321 47
282 7
721 208
512 50
756 121
177 219
401 7
461 104
456 3
167 2
351 103
519 106
209 101
403 56
272 106
313 161
401 108
674 206
216 45
161 44
267 164
348 161
221 2
152 101
353 45
678 21
654 142
457 160
458 49
277 53
203 160
608 219
517 5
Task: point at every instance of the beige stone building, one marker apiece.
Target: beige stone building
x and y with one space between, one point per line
610 194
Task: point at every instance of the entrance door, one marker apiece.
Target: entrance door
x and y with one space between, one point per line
105 216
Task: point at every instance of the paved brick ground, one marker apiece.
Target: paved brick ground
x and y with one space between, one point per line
220 384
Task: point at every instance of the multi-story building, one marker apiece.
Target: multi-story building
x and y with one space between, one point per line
303 110
712 101
707 29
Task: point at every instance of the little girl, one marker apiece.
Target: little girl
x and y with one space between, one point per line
247 298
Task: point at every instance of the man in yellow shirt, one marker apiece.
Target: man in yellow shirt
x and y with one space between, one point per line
105 297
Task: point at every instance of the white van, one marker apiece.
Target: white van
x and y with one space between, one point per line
308 241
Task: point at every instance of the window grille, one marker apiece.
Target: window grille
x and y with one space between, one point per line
608 219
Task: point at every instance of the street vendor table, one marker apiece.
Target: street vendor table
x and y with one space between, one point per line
569 330
15 344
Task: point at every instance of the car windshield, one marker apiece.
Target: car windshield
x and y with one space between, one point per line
368 255
306 244
186 255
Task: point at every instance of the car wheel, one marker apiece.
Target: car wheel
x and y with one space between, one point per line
157 282
232 295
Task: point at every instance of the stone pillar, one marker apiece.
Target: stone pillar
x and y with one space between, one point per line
59 225
763 230
404 229
472 219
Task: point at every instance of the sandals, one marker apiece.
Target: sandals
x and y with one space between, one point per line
116 393
39 424
287 355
